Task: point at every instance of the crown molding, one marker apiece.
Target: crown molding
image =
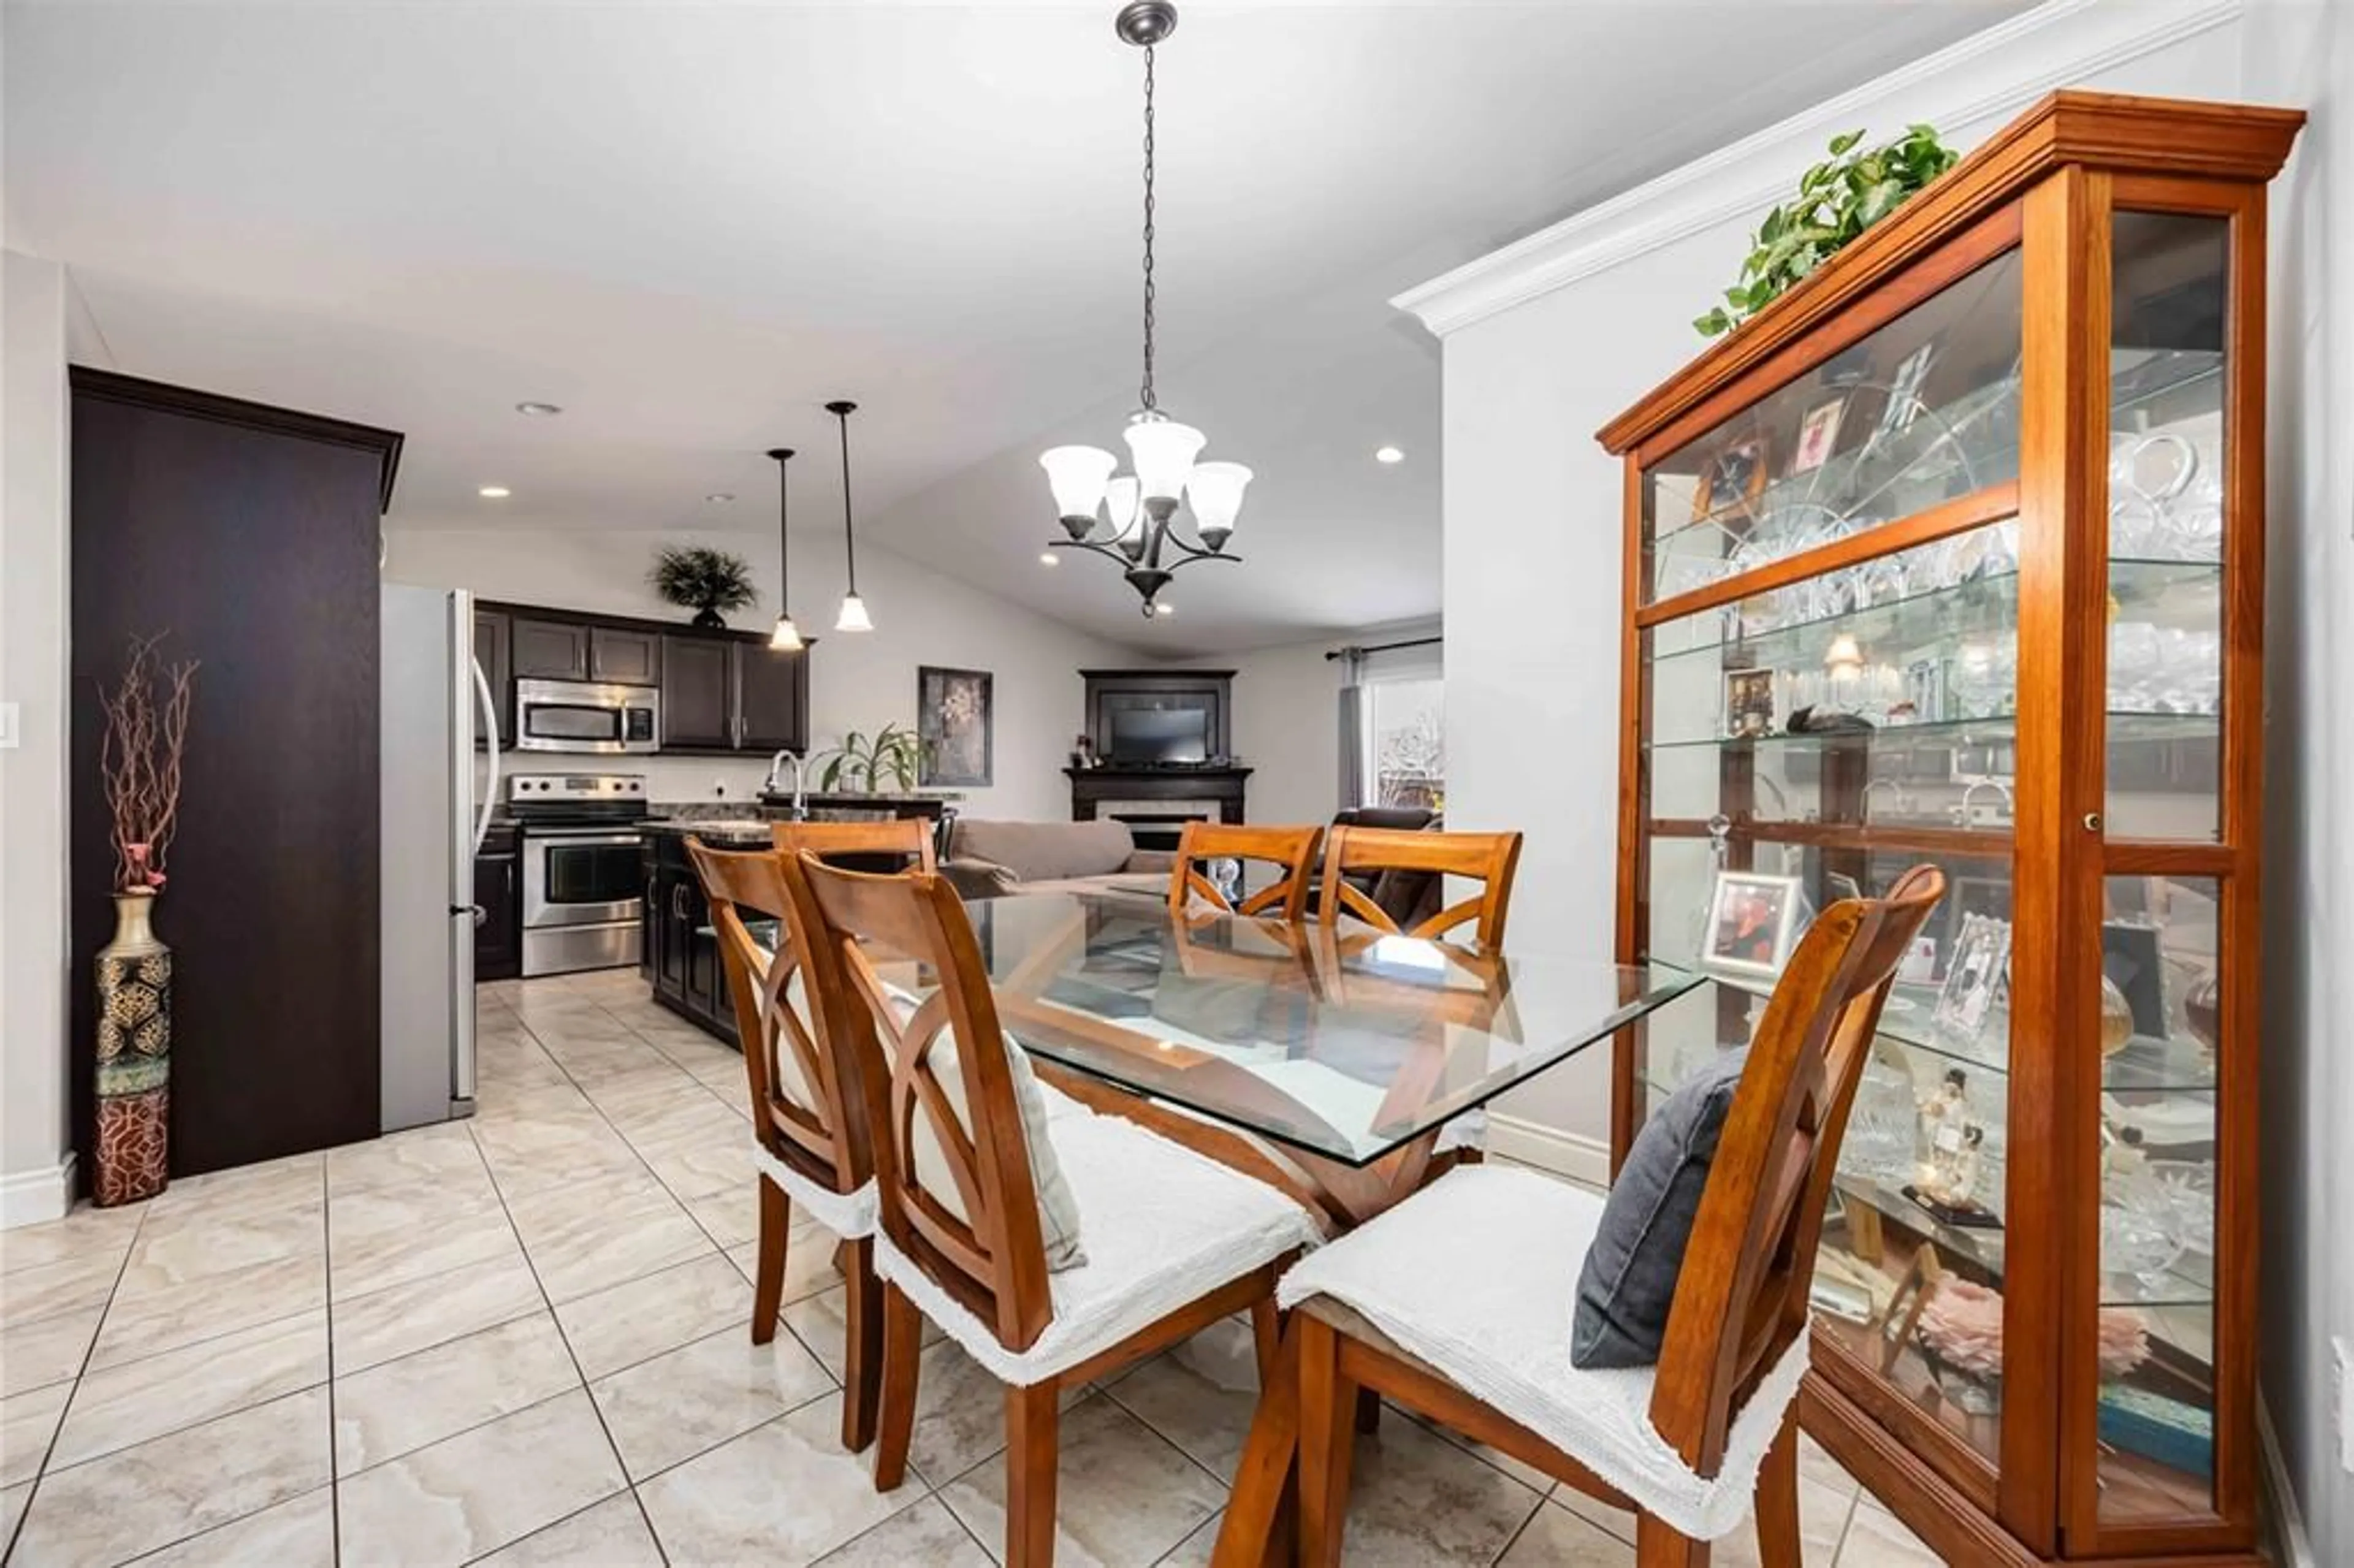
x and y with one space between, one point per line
1974 81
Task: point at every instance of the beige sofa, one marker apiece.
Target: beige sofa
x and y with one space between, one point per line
987 860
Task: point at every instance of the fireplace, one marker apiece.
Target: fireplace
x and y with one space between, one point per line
1158 824
1157 802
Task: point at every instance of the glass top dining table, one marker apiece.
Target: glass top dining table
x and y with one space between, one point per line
1338 1041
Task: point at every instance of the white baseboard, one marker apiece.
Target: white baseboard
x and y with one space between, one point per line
2292 1548
34 1197
1570 1154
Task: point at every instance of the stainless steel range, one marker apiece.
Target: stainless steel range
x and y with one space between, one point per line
583 887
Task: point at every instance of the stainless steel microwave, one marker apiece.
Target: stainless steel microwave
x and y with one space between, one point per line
586 716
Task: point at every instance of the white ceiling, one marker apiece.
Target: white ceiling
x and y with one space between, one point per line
692 224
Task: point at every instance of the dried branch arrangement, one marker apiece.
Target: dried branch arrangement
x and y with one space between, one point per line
139 759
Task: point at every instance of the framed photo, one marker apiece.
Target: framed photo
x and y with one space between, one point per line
956 723
1817 435
2131 960
1748 702
1733 481
1904 390
1752 923
1976 978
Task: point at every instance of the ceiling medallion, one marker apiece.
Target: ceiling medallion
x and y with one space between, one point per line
1130 519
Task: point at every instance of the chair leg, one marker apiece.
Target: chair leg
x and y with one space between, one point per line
1266 1338
862 1358
1033 1447
1658 1545
1369 1412
769 1284
1327 1444
1777 1499
903 1336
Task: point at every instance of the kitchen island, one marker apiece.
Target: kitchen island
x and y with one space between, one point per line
679 956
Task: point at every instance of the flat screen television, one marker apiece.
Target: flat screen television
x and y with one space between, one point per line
1160 734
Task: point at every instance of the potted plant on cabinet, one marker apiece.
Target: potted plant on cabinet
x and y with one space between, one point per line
707 582
141 747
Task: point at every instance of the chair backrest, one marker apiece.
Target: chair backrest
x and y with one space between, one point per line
1489 859
801 1111
1741 1299
1292 849
908 836
992 1259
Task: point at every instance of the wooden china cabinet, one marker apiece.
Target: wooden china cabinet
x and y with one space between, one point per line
1955 554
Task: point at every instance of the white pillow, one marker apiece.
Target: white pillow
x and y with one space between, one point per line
1058 1206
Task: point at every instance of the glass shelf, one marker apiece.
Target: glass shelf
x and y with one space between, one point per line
2124 729
2167 594
2144 1065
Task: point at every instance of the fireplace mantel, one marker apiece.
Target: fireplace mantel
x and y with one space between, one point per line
1218 788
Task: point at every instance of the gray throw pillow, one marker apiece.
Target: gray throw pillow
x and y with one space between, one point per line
1629 1282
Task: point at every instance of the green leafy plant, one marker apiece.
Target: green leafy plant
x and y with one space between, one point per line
1838 199
697 577
860 764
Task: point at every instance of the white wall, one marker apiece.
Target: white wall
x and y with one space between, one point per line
1552 336
856 682
35 1166
1288 720
2303 54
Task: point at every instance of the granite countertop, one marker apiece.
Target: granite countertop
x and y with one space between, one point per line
745 822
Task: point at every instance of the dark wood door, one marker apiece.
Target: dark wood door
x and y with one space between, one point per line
494 644
698 693
498 940
772 696
550 649
626 657
251 532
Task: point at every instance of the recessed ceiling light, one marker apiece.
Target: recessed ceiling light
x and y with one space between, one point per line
1164 609
720 497
1048 558
1388 454
494 492
539 411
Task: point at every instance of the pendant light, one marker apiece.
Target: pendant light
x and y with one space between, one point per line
787 637
854 616
1140 538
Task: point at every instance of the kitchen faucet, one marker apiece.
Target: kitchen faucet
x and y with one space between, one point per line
776 766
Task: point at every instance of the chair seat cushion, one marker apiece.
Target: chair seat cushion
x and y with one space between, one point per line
1475 1275
1165 1227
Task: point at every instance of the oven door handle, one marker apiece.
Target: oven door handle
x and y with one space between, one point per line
587 841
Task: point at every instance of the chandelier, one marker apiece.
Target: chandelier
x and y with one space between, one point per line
1130 520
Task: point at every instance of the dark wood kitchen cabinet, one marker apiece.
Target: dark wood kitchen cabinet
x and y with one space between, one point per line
498 893
698 694
624 656
494 651
722 691
681 962
733 693
549 649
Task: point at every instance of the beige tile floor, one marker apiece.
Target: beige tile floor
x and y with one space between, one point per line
521 1340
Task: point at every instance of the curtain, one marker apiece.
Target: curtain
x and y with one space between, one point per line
1352 727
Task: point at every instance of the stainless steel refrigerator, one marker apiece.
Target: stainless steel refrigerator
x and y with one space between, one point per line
435 703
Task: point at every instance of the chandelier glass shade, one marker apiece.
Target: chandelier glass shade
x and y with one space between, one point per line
1132 519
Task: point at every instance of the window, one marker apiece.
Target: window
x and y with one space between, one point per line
1405 740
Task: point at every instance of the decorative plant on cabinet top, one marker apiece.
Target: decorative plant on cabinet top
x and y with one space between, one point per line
1838 199
707 582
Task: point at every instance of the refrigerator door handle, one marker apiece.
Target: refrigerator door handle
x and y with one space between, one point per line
489 705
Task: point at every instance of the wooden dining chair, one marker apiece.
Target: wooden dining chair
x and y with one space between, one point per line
808 1127
908 837
1437 1305
1292 850
1170 1242
1490 859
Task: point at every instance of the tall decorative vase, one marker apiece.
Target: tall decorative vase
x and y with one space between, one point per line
134 1056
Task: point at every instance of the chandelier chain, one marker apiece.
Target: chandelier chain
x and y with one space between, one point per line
1147 389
